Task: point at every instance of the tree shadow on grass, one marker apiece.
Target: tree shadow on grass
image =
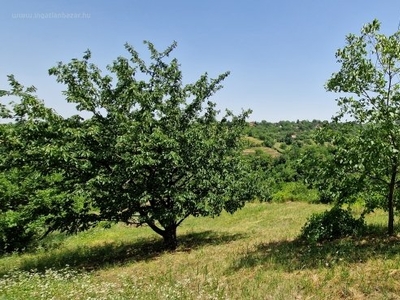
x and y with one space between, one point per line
297 255
99 256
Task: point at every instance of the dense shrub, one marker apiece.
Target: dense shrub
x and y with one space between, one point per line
330 225
268 142
295 191
14 232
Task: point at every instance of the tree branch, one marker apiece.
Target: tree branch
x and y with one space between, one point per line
377 179
155 228
183 219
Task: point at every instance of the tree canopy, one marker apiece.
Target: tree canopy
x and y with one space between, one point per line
365 154
152 151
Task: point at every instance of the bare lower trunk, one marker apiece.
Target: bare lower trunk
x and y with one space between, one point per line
390 217
391 201
169 236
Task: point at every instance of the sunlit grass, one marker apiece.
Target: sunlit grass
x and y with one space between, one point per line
254 141
252 254
257 145
267 150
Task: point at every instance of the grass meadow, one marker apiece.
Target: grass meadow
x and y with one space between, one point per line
252 254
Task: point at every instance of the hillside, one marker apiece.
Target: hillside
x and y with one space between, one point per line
249 255
257 144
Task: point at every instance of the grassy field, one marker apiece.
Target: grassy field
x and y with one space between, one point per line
267 150
257 144
252 254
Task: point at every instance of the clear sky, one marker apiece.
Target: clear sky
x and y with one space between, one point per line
280 53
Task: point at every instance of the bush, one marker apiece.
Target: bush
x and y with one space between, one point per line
295 191
330 225
268 142
15 235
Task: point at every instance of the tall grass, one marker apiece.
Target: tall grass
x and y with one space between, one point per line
252 254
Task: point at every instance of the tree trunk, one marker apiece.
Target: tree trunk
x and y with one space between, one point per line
169 236
390 215
391 201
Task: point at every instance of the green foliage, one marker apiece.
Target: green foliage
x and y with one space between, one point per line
260 164
17 227
285 167
332 224
151 151
260 160
283 131
365 157
268 142
283 176
31 206
312 167
14 234
295 191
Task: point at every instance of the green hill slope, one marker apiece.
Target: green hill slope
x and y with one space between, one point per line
249 255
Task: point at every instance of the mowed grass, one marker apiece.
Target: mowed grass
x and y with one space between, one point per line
252 254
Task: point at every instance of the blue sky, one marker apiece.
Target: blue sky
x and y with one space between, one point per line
280 53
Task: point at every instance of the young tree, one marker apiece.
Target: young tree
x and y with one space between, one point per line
153 150
366 161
